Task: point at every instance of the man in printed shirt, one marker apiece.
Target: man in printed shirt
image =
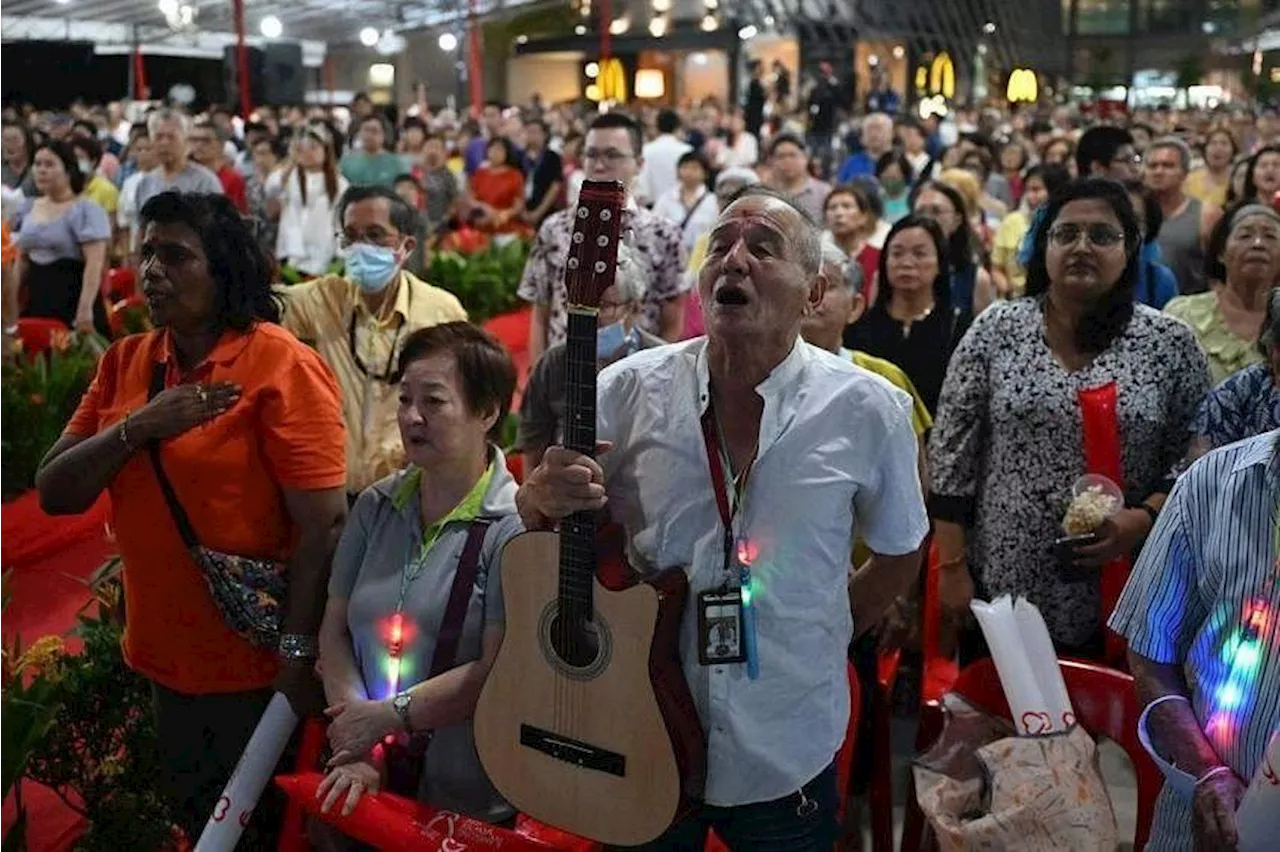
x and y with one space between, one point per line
358 320
612 152
816 450
1201 612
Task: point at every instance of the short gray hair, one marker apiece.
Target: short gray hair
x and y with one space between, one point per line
171 115
1173 143
632 279
849 274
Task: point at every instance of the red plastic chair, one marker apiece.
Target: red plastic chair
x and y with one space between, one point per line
37 333
1105 703
844 760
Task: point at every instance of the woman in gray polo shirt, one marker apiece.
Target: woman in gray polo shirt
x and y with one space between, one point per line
407 539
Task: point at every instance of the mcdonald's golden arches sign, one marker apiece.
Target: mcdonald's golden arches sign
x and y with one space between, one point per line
1023 87
942 76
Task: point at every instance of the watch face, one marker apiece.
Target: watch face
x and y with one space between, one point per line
401 702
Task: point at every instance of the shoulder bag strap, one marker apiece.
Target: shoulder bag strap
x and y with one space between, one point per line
694 209
455 612
180 518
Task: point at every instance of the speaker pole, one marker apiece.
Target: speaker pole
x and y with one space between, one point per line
242 62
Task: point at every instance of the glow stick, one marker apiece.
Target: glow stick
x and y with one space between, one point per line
1258 818
1039 649
232 812
1017 670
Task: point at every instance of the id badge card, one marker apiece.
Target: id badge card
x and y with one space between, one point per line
720 625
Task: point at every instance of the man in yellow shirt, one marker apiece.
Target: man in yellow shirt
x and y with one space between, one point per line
357 321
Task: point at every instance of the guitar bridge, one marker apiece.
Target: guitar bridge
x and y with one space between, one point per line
573 751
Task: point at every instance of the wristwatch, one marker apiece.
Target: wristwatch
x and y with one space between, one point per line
401 705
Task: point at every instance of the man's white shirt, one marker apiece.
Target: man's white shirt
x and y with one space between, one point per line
837 457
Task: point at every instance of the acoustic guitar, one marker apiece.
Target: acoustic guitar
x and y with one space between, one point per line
586 722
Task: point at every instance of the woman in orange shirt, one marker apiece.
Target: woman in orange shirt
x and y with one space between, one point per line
246 423
497 190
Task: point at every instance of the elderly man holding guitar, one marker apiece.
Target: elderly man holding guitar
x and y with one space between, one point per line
749 459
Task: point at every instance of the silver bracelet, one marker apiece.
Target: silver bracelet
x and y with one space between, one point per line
298 647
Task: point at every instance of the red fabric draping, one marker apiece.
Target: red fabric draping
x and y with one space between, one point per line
512 329
29 536
1101 431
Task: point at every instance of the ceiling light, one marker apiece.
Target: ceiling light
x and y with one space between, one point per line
658 27
271 26
448 42
662 5
711 4
748 32
369 36
580 29
769 20
522 39
899 51
592 70
989 28
168 8
620 26
709 23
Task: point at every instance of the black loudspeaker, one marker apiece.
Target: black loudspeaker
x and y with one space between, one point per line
231 75
276 74
284 80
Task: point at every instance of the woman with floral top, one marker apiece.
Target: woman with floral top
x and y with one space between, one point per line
1244 254
1007 444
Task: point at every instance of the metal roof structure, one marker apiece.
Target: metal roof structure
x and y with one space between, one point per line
119 24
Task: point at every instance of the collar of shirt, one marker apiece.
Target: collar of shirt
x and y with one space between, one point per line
777 390
467 510
1260 452
401 306
226 350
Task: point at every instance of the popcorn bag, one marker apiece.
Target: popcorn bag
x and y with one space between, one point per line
1036 791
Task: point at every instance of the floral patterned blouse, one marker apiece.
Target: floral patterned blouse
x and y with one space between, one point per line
1007 442
1246 404
1227 353
651 236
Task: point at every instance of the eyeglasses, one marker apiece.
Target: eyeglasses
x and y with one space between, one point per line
375 237
610 156
1097 234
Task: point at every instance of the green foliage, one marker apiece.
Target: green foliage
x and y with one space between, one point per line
82 726
485 282
38 395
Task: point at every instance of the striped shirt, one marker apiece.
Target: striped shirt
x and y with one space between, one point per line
1205 595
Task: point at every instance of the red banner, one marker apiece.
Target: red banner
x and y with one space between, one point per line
1100 428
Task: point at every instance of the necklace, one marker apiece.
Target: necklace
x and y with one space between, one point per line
912 320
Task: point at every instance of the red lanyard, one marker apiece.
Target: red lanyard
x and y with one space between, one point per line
711 439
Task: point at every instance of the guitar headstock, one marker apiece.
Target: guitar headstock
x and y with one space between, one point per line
593 248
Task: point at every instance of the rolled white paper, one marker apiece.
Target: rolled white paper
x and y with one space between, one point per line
1258 817
233 810
1027 665
1040 651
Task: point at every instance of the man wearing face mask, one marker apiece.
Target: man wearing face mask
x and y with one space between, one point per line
618 335
357 322
96 188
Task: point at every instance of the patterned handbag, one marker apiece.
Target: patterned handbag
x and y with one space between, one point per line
248 592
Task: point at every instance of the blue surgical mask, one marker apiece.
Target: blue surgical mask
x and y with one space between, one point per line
610 339
370 267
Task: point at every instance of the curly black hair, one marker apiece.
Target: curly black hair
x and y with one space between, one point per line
1109 316
240 269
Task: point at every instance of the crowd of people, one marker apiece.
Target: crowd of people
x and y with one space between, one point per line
892 321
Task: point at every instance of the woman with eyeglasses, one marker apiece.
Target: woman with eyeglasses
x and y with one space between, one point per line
1243 254
1007 444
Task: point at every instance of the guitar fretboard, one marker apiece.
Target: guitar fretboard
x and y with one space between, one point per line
578 531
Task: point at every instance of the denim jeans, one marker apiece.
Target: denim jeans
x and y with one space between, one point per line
803 821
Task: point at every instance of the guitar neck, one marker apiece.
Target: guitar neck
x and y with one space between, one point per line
578 531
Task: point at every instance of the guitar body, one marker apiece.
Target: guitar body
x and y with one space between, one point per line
609 750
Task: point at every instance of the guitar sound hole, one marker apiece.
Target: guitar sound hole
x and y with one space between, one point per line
575 640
